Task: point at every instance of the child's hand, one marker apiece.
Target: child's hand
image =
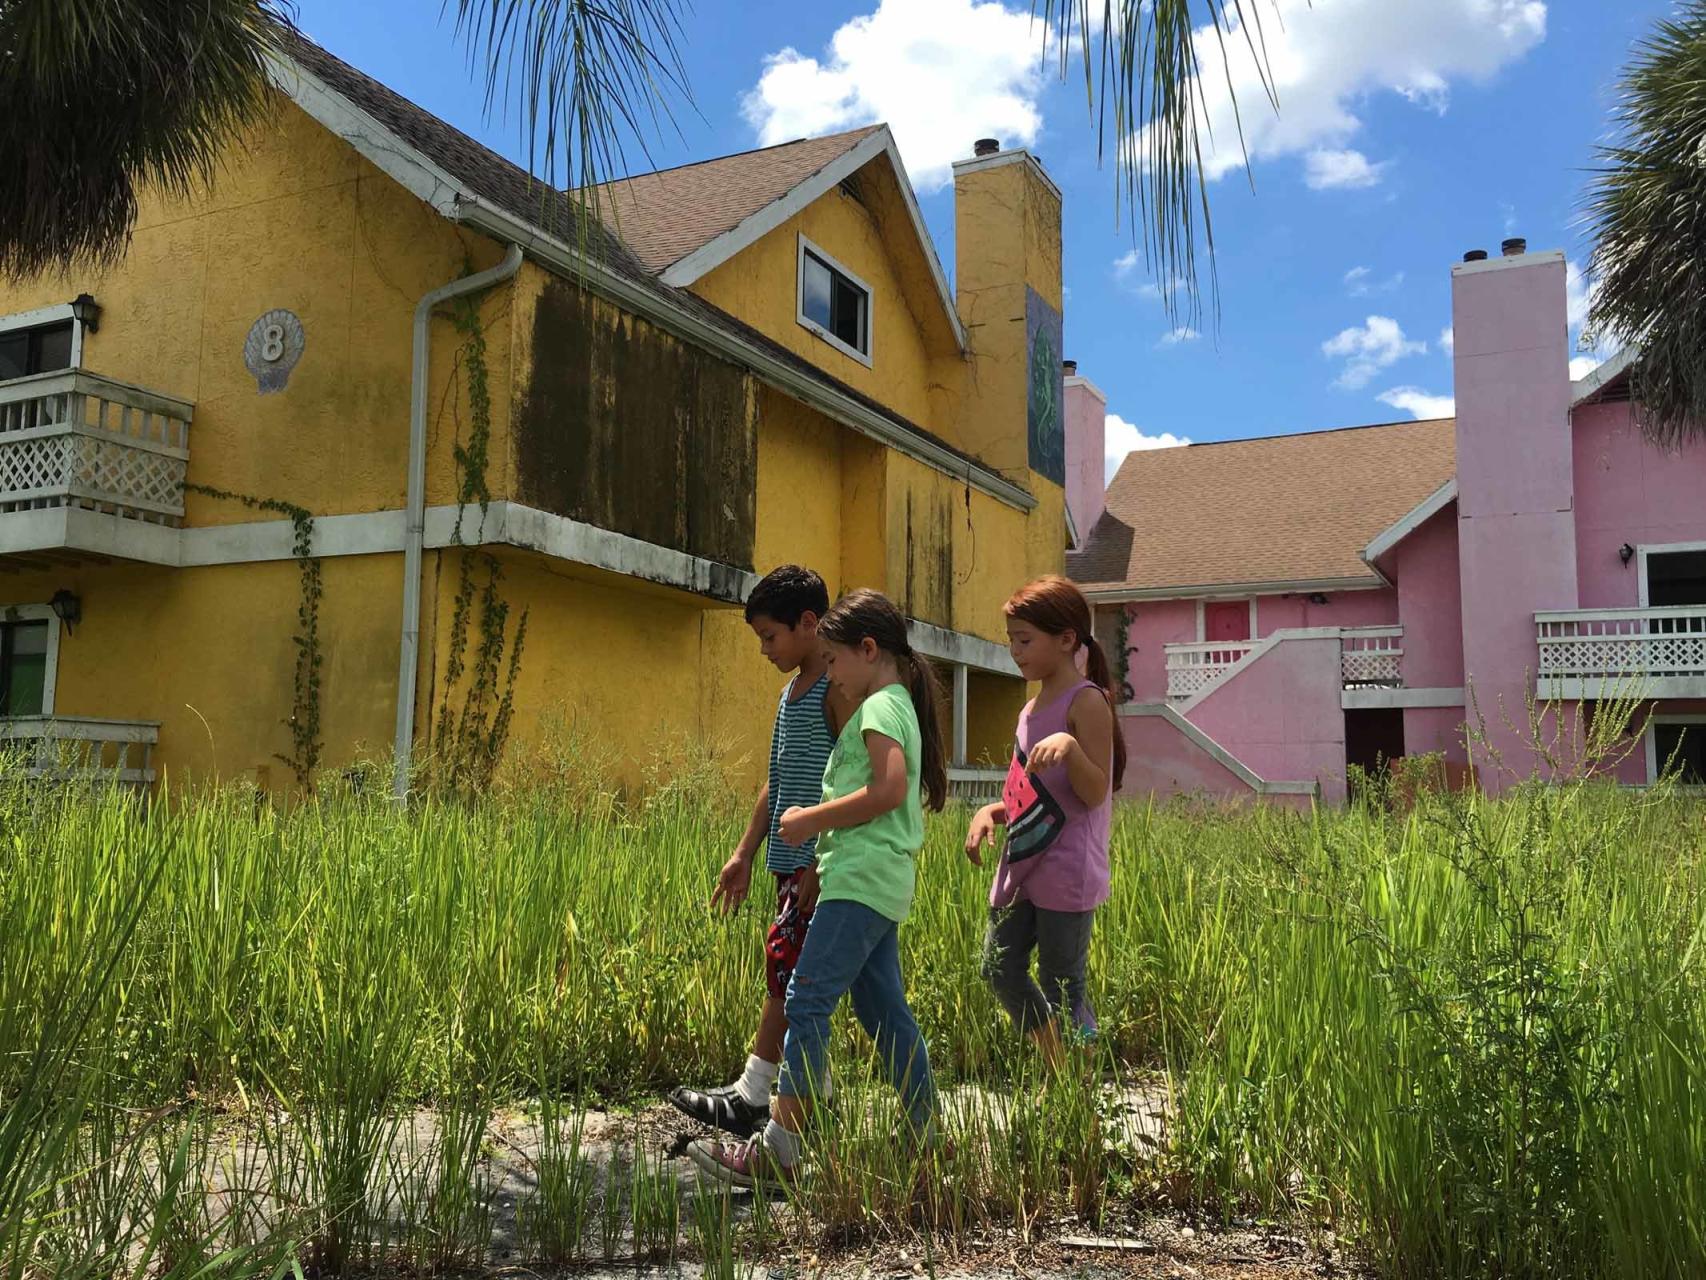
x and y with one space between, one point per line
1055 749
733 882
980 834
797 826
805 896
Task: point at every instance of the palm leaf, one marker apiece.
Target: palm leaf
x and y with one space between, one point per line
1646 208
1142 81
100 98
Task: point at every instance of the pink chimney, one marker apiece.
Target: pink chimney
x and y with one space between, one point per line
1086 450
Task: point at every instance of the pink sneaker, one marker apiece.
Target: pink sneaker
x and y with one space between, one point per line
741 1164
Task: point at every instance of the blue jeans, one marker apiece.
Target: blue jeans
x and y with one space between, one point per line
853 950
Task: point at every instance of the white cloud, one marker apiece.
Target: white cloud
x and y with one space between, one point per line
1418 403
1578 295
1124 438
940 72
1581 366
1326 170
1327 58
1369 348
1448 340
1360 282
1125 264
1173 337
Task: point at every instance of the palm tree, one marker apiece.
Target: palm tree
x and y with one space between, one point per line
101 98
1647 211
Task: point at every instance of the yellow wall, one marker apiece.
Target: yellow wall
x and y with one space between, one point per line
299 221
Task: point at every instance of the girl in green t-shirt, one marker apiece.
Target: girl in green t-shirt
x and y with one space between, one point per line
887 762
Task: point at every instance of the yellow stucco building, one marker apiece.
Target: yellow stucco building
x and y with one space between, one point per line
764 363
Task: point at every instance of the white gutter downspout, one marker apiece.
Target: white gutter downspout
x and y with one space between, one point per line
414 535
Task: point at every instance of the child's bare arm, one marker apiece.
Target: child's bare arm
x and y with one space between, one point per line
886 791
1088 740
735 879
981 833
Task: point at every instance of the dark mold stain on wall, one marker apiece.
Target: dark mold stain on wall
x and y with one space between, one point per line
929 587
624 427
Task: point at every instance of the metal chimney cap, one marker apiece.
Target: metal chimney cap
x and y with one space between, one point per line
1069 367
1513 245
986 146
1475 255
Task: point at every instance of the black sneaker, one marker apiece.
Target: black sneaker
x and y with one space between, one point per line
722 1108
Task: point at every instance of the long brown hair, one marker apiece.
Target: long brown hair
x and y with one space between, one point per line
863 614
1055 606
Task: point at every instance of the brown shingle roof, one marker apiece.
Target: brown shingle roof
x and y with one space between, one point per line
1297 508
665 216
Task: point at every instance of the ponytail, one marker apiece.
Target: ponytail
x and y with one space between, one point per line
1096 667
926 702
1054 606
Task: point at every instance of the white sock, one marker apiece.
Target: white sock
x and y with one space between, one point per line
757 1080
784 1145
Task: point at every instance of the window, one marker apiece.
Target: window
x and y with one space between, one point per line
35 350
23 668
1680 746
834 304
1676 578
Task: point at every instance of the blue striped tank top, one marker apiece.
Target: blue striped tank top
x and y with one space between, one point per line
799 753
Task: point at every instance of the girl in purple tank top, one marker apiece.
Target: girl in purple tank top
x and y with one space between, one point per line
1056 805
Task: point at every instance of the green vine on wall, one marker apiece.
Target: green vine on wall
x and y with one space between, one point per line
304 719
469 740
1122 654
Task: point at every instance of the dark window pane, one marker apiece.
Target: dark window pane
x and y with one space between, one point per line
53 348
847 313
25 674
815 291
14 354
1682 748
1676 577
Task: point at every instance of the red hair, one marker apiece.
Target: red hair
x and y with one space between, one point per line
1055 606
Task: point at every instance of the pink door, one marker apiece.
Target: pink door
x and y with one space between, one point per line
1226 621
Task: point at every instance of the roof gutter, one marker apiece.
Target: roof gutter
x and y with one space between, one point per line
1231 590
414 532
483 216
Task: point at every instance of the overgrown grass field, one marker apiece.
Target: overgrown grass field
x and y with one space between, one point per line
1470 1038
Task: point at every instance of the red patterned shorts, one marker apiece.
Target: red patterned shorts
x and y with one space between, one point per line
786 936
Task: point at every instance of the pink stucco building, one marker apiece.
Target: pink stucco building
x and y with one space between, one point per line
1297 604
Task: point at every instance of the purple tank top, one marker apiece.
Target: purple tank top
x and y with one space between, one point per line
1071 872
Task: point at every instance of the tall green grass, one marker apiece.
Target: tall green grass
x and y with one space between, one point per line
1469 1037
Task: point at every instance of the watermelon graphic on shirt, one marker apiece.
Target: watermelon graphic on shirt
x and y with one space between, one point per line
1034 816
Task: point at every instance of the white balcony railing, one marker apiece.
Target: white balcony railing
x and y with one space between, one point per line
1191 668
76 439
1596 653
1372 657
75 748
975 786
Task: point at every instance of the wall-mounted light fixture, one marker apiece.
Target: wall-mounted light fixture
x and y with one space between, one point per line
1626 553
87 312
67 607
1315 597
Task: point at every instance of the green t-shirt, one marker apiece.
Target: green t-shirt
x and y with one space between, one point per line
874 863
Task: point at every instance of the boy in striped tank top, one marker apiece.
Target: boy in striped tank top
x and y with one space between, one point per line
783 611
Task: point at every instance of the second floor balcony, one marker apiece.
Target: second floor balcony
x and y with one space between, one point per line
1369 658
1611 653
73 441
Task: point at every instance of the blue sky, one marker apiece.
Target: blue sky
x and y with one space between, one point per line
1408 131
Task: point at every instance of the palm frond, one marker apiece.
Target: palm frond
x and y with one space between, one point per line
590 78
101 98
1142 77
1646 208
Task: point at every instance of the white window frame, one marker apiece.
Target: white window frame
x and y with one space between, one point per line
41 316
1658 549
1202 615
1652 742
805 247
40 613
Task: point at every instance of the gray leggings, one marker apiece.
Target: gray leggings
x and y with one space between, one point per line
1061 940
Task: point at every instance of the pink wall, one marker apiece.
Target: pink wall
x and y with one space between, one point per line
1376 608
1086 454
1435 729
1516 527
1430 605
1629 491
1155 624
1164 762
1281 716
